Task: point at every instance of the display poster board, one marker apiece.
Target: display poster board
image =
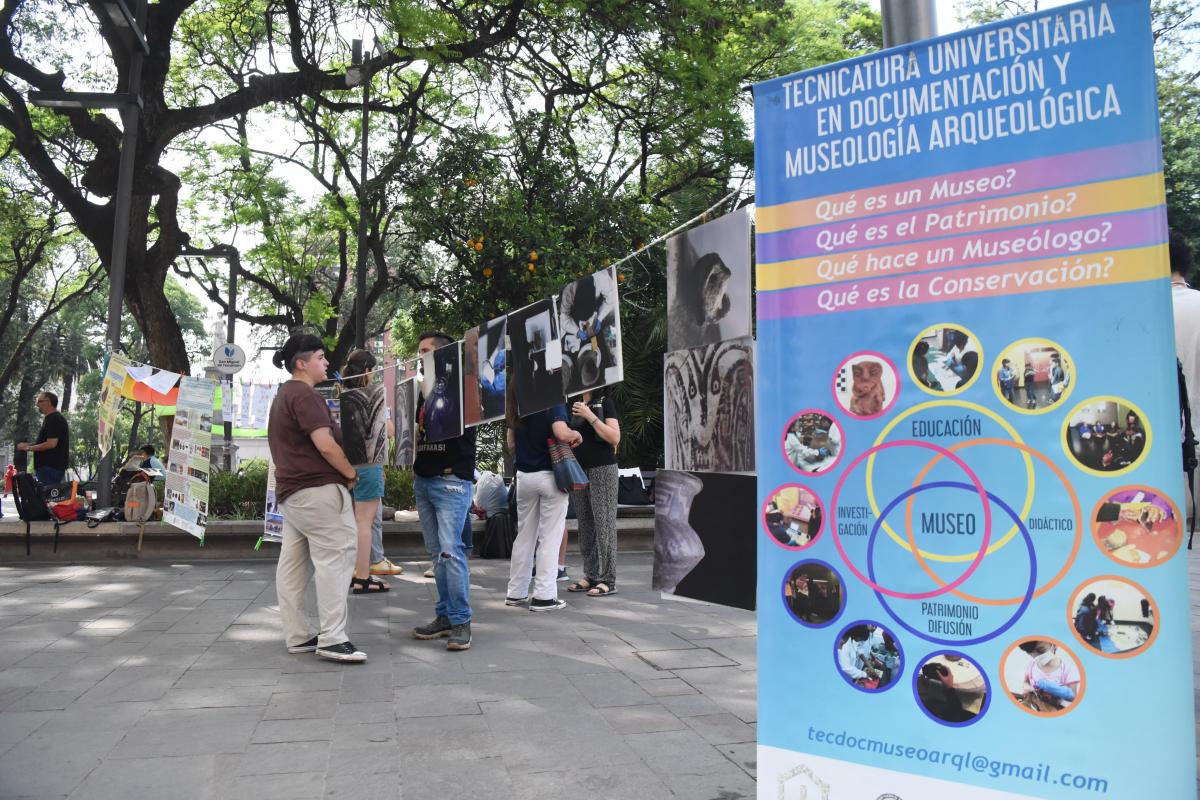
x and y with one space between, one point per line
971 579
115 371
185 504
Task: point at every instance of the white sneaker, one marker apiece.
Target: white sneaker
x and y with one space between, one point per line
429 572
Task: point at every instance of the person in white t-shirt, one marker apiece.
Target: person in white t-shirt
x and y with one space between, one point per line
1186 303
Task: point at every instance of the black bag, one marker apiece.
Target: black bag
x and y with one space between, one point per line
631 492
57 492
498 537
30 505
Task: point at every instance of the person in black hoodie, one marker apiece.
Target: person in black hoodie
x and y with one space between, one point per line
443 475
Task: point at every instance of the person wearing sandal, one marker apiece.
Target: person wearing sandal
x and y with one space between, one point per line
365 427
311 479
443 484
595 418
541 506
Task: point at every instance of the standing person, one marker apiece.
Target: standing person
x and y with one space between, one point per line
541 505
312 476
1186 304
443 481
595 418
365 429
53 446
1008 381
1029 376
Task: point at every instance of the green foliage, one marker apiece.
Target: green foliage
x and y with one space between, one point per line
398 488
238 495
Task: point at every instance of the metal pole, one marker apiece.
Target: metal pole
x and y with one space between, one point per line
360 269
907 21
227 397
122 201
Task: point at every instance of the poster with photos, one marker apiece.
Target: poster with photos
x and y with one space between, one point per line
709 283
185 501
589 321
272 513
484 360
405 418
537 357
708 399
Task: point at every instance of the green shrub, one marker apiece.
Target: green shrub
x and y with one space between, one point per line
238 495
398 488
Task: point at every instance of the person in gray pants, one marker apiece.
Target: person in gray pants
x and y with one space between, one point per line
595 418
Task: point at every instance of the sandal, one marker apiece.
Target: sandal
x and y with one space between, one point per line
581 585
602 590
368 586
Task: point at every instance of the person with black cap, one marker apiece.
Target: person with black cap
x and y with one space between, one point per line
313 479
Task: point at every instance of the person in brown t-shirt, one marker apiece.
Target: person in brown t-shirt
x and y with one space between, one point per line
312 477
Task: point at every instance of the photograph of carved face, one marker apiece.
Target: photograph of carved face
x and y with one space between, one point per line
708 282
441 387
708 395
483 373
536 354
589 320
405 418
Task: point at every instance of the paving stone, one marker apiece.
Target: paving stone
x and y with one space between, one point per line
630 782
641 719
292 730
282 757
186 776
189 732
302 705
722 728
692 658
439 780
610 690
286 786
434 700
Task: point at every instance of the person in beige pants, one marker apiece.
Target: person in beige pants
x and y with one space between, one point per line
312 477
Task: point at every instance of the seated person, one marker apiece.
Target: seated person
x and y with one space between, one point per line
148 460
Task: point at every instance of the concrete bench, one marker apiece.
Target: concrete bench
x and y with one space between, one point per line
235 539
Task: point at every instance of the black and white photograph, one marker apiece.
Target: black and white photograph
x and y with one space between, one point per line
709 297
441 386
536 352
483 373
704 537
406 421
708 397
589 320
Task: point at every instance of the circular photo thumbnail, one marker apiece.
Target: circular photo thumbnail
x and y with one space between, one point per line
868 656
1106 436
1113 616
814 594
952 689
1033 376
1137 526
793 516
866 385
812 442
945 359
1042 676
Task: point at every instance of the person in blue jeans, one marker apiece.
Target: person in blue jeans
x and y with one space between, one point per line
443 475
53 446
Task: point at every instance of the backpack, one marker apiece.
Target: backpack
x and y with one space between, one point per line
140 501
498 537
30 505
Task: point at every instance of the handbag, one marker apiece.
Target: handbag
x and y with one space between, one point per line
568 475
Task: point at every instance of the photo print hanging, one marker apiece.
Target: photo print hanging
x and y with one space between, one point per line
441 386
708 283
405 418
589 319
708 397
483 373
536 370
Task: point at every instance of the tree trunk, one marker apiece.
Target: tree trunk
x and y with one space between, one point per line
146 299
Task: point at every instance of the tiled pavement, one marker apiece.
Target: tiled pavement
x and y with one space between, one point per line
147 681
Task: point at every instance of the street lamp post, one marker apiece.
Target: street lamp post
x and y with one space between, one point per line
907 21
360 264
130 25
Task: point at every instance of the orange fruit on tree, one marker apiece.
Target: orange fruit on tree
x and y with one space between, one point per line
532 268
620 277
478 246
487 272
533 256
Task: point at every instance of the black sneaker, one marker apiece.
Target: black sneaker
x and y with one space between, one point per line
546 605
460 637
439 627
342 652
307 647
516 601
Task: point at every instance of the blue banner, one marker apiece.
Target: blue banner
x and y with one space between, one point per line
972 580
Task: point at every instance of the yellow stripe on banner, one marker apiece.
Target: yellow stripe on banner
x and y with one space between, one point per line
910 257
1101 197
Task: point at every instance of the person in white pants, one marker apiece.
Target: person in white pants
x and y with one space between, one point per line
541 506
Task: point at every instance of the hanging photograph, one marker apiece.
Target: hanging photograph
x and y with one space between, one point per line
441 386
708 283
536 357
589 319
405 418
483 373
708 398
